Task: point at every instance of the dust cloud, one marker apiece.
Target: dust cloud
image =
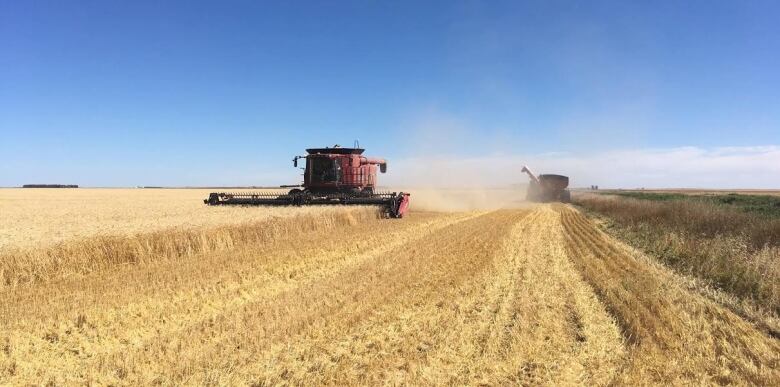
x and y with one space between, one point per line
452 184
465 199
460 185
443 174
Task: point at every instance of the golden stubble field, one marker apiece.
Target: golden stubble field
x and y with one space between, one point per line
531 294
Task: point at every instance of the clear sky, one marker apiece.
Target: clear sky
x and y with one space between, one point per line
125 93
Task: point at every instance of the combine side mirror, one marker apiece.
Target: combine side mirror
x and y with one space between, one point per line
295 162
383 167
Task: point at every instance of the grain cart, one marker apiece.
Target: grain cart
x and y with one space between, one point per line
331 176
547 187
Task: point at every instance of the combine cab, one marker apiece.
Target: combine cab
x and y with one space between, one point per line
547 188
331 176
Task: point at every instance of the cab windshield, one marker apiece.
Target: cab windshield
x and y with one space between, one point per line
324 170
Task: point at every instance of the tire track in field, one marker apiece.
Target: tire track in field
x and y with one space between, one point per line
332 305
213 285
394 337
527 319
522 315
677 336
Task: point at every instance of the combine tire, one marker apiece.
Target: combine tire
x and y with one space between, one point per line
566 197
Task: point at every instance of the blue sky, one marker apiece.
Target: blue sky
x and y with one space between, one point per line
198 93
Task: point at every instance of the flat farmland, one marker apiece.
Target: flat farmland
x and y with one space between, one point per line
32 217
530 294
696 191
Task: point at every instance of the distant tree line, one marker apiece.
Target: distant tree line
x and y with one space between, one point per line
50 186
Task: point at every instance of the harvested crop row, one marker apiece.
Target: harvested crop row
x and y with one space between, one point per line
462 298
90 324
523 317
322 305
506 297
677 336
735 246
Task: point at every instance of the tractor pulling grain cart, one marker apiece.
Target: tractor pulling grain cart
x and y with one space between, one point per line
547 187
332 176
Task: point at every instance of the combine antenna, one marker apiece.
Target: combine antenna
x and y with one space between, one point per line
357 143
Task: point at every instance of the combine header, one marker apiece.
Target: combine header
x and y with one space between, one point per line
548 187
332 176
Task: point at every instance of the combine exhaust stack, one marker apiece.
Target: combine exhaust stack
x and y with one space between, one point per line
332 176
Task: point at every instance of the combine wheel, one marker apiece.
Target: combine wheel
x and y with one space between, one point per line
296 197
213 199
566 196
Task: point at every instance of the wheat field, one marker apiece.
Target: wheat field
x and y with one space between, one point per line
530 295
35 217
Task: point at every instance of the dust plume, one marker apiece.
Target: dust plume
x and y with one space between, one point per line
450 184
465 199
452 164
441 173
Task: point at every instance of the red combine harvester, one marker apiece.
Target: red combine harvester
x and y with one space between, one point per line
332 176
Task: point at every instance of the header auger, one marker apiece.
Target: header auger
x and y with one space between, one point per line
331 176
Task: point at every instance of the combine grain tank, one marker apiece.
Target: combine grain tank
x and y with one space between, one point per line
332 176
547 187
